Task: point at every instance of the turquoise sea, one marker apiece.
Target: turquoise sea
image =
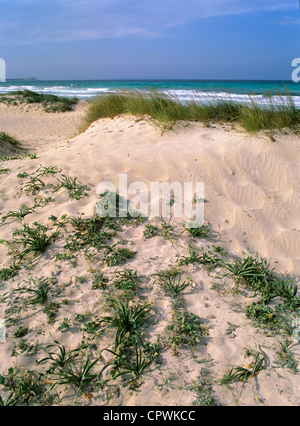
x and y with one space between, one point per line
185 90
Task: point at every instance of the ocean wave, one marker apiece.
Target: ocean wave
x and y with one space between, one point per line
104 89
56 90
183 95
15 88
213 96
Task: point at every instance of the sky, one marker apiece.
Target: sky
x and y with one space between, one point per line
149 39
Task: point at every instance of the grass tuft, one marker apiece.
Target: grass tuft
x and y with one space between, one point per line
8 139
34 239
166 110
50 103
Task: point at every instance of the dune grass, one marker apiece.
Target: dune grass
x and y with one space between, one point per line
50 103
6 139
166 110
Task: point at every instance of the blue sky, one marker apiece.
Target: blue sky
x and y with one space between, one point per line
150 39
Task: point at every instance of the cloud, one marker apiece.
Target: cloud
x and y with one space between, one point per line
287 21
31 21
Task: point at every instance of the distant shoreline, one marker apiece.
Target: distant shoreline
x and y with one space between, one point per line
154 79
23 79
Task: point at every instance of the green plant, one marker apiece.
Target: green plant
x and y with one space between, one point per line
79 376
116 256
253 272
22 175
165 110
66 256
64 325
40 201
92 327
262 315
79 192
76 191
127 281
40 293
243 373
4 171
187 329
88 226
88 233
196 230
217 249
166 229
6 138
20 331
259 116
171 272
10 402
231 328
150 231
10 272
202 388
126 318
208 259
109 205
29 155
24 387
287 291
81 280
50 310
285 357
50 103
66 182
4 157
58 359
152 350
99 281
173 285
33 185
193 257
24 348
47 171
34 239
135 367
18 214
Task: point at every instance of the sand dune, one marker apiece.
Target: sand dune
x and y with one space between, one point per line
37 130
252 198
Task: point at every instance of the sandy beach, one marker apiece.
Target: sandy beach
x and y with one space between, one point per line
252 202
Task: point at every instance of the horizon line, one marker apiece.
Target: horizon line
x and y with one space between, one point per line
34 79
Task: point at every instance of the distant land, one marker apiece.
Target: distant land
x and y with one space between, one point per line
23 79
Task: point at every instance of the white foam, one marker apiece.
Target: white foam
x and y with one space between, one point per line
197 96
74 90
15 88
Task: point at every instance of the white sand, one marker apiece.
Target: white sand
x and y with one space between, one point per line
252 192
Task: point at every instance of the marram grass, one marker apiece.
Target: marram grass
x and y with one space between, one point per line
166 110
5 138
50 103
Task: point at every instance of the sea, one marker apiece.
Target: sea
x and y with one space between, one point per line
184 90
